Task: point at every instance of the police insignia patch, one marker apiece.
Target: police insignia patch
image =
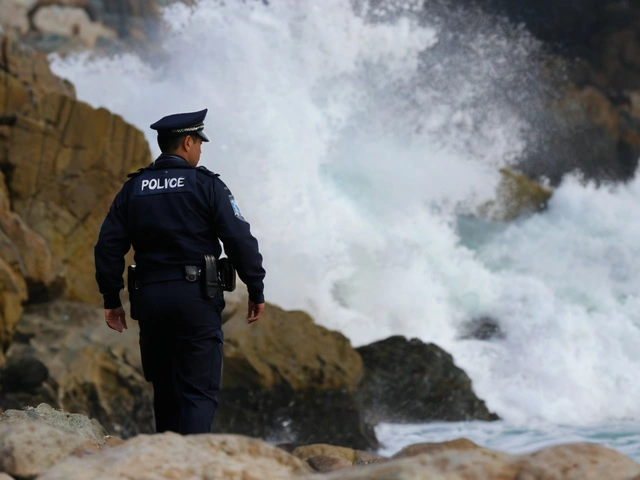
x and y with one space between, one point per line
236 208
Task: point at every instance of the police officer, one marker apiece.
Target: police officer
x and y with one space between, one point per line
173 213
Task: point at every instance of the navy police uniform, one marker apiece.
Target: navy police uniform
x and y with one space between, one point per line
173 214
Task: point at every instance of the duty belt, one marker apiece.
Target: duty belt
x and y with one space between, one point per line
191 273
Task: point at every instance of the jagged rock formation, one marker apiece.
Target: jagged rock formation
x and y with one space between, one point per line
286 379
32 446
61 163
592 126
410 381
67 25
293 380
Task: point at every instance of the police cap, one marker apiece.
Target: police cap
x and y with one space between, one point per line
182 124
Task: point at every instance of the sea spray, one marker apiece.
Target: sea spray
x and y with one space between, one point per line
353 137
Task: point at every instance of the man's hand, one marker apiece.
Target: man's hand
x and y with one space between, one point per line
116 318
255 310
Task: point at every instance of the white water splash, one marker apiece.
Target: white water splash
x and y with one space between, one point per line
351 137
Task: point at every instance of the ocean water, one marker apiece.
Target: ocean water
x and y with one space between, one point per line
360 140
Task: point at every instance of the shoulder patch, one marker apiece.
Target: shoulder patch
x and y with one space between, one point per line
236 208
208 172
136 173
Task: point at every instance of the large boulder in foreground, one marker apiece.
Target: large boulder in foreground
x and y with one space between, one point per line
172 456
50 445
458 461
34 440
289 379
410 381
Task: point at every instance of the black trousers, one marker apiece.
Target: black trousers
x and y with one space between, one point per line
181 346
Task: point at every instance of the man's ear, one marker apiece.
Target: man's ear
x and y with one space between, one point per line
187 143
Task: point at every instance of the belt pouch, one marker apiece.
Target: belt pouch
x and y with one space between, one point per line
226 275
191 273
132 286
211 287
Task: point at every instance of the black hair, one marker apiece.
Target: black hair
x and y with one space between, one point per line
170 143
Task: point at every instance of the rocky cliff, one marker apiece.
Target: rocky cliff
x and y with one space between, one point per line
61 163
71 25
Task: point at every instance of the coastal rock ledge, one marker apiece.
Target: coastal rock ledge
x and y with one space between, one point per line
46 444
286 379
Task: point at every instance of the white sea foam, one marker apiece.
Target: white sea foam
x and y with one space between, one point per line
352 137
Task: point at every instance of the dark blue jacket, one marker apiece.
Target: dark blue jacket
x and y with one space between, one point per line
172 214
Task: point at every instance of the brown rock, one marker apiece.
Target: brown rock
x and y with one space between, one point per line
13 94
478 464
92 369
173 456
287 348
13 291
63 163
31 68
68 161
328 463
26 251
14 14
89 429
462 460
111 441
366 458
305 452
287 378
581 461
430 448
70 22
28 449
516 195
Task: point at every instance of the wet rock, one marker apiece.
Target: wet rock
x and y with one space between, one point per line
516 195
286 378
24 374
483 328
410 381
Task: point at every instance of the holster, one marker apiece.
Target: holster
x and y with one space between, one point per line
226 275
133 285
211 285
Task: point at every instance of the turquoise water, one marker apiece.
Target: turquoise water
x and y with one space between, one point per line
621 436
